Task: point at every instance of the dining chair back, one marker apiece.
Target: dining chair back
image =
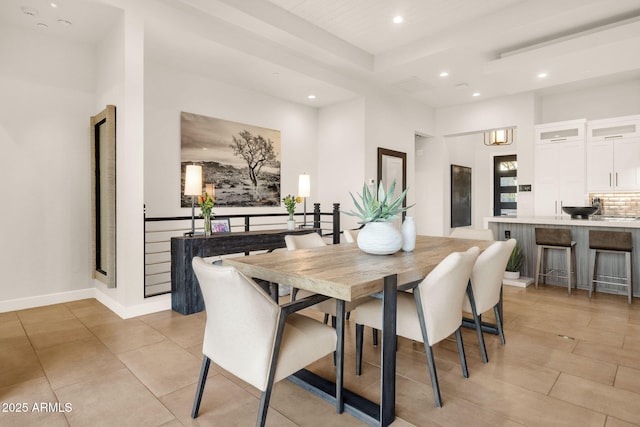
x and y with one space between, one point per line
264 344
428 315
304 241
484 291
351 236
328 307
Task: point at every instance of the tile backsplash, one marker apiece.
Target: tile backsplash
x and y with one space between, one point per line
619 204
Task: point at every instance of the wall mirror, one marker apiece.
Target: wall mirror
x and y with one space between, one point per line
103 195
392 165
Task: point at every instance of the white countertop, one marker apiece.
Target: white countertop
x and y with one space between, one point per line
593 221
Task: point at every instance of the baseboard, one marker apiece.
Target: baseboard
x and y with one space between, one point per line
42 300
150 305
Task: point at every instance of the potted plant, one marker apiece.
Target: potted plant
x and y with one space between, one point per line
290 203
514 263
379 235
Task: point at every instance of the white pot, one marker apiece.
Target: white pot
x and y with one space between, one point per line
512 275
380 238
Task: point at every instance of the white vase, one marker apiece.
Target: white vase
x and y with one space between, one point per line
380 238
512 275
408 234
291 224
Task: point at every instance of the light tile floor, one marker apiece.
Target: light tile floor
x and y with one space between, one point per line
569 361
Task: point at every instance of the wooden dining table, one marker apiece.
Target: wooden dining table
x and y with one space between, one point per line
346 273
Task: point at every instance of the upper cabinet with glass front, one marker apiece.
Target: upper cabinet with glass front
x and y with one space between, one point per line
613 154
567 131
559 167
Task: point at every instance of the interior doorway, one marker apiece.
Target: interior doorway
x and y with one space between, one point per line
505 185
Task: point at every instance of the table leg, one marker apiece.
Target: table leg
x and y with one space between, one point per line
388 354
340 308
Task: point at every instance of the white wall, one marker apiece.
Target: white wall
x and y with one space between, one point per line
614 100
393 123
168 91
47 99
517 111
341 168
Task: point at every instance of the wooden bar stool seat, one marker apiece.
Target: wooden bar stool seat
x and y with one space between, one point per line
614 242
559 239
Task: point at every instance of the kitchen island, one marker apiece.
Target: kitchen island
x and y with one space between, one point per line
523 229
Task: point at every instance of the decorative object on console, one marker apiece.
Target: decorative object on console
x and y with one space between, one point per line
304 191
206 202
290 203
193 188
379 235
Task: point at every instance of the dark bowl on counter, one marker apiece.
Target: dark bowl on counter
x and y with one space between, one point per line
580 212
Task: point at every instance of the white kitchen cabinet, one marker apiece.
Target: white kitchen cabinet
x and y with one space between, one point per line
613 154
559 177
614 165
567 131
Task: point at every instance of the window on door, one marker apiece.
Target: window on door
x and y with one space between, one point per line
505 185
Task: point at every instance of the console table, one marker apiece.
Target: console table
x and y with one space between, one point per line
186 297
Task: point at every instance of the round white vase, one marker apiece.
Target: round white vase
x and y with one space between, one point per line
512 275
408 234
380 238
291 224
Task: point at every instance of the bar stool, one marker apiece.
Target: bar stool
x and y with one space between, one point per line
556 238
614 242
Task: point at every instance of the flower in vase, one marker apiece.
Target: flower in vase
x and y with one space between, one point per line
290 203
206 203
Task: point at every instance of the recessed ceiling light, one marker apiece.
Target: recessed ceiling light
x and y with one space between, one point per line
398 19
42 25
542 75
476 94
64 22
53 5
444 74
311 96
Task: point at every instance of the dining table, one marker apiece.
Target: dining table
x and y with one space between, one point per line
346 273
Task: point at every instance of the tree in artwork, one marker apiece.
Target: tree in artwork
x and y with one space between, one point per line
256 151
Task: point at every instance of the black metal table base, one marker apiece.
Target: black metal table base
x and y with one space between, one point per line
354 404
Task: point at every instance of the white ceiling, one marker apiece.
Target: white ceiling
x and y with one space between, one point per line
338 49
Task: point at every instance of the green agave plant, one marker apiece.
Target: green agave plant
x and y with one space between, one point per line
515 259
378 209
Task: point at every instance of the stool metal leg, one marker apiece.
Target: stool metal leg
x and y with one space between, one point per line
538 260
592 269
568 263
575 266
627 259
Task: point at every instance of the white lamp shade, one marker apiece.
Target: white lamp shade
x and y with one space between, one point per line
304 186
193 180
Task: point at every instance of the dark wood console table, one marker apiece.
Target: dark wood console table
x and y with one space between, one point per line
186 297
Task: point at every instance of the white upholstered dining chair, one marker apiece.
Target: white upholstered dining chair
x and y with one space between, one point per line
428 315
328 307
351 236
485 288
248 334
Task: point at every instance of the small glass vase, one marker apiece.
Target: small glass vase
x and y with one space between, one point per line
291 223
207 225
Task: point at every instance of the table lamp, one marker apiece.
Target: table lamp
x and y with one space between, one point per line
304 191
193 187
